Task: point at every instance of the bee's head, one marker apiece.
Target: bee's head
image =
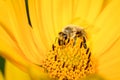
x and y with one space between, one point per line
62 35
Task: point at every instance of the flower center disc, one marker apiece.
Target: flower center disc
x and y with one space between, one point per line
71 61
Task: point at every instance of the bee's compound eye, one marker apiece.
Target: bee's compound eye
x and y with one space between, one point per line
65 36
61 33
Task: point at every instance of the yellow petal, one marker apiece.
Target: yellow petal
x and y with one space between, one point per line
12 52
1 76
61 14
109 62
107 25
95 9
81 8
18 29
37 24
93 77
19 9
34 72
106 2
106 41
14 73
38 73
9 49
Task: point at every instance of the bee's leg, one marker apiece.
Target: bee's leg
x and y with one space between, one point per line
61 42
84 43
74 41
67 41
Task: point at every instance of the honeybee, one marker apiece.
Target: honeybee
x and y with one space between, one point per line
71 32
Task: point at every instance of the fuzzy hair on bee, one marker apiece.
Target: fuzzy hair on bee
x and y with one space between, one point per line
71 32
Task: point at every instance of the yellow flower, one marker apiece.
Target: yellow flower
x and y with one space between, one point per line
27 46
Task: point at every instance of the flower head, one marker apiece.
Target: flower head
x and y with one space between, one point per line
41 44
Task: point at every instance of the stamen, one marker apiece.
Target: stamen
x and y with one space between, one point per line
87 51
88 61
89 55
74 68
81 45
53 47
55 57
70 62
84 40
86 67
63 65
85 46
